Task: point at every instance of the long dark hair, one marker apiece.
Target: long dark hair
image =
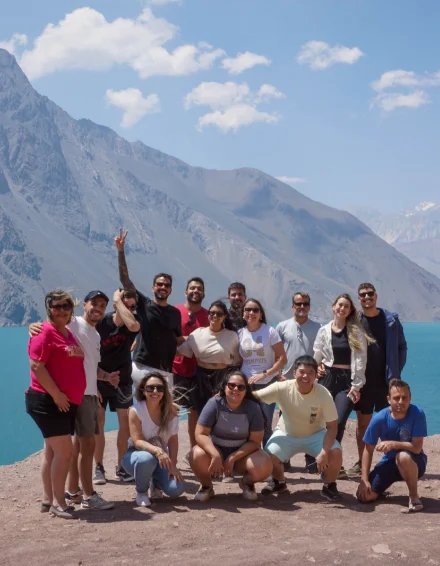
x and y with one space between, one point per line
249 395
221 305
167 412
263 318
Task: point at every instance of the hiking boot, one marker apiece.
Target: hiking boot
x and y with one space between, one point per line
143 500
287 466
274 486
204 493
74 498
355 471
95 501
342 474
99 477
249 492
122 475
330 492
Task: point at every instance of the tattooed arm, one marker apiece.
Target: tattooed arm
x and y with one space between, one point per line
126 282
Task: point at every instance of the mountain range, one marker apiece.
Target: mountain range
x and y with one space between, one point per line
66 186
414 232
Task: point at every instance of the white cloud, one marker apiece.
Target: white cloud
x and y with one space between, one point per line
235 117
389 101
319 55
399 77
84 39
134 105
244 61
234 105
291 180
18 39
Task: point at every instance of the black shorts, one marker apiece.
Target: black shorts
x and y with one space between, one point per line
49 419
373 398
207 384
386 472
183 391
120 397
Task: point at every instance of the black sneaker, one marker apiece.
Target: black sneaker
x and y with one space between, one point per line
122 475
330 492
274 486
287 466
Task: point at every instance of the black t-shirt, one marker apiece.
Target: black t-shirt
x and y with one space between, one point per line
237 320
341 348
156 344
116 342
375 326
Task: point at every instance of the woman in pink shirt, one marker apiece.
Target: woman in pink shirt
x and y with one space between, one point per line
58 382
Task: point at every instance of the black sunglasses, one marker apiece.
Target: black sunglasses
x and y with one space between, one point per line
131 308
166 285
64 307
191 317
301 304
216 313
367 294
252 309
233 386
152 388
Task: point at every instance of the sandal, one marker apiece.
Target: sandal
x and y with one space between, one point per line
414 506
62 512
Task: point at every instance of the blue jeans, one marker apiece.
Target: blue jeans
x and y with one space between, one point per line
144 466
268 411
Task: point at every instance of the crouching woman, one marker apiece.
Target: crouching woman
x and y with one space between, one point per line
228 435
153 444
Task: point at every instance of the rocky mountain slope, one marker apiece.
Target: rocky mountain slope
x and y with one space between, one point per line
66 186
415 232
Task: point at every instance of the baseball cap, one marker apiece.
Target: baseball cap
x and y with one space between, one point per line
94 294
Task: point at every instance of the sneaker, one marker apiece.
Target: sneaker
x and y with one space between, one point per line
287 466
249 492
311 465
342 474
63 513
122 475
330 492
99 477
274 486
74 498
143 500
355 470
228 479
204 493
95 501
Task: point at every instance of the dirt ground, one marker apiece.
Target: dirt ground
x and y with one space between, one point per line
298 527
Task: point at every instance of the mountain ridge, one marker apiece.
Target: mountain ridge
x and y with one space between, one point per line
67 185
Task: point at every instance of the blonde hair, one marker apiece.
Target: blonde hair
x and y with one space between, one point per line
354 326
59 295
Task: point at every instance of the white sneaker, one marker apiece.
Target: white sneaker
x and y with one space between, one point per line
249 492
95 501
99 477
204 494
143 500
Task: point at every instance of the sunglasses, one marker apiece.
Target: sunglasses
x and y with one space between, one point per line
367 294
216 313
233 386
252 309
131 308
152 388
166 285
64 307
301 304
191 317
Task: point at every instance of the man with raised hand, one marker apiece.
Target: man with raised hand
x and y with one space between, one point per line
193 316
161 329
308 425
237 299
401 429
386 358
117 330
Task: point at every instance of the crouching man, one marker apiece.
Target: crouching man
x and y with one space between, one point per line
401 428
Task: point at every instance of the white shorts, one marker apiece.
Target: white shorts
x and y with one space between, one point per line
138 371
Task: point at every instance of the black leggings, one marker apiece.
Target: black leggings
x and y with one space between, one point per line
338 382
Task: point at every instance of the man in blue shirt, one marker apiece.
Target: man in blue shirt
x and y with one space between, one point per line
401 429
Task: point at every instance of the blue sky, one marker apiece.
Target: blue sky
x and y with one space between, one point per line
342 97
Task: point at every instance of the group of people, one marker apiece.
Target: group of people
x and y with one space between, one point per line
228 368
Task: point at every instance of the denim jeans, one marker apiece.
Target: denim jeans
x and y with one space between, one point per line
268 411
144 466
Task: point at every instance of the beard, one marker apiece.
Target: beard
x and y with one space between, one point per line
190 298
161 297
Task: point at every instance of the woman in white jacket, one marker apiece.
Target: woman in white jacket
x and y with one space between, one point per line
341 345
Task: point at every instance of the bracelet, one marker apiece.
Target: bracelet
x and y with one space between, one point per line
159 453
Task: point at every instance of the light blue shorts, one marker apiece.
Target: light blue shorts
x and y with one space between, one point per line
284 446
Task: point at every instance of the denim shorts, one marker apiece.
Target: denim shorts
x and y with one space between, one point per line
284 446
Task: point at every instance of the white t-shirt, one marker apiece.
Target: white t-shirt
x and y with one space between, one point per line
150 430
257 351
90 342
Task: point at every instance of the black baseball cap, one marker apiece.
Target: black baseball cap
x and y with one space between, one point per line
94 294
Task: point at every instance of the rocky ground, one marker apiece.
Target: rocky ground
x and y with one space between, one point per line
298 527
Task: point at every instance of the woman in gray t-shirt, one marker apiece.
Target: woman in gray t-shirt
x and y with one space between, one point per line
228 435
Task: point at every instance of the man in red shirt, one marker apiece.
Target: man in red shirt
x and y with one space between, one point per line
193 316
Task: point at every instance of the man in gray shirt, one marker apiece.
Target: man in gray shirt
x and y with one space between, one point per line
298 336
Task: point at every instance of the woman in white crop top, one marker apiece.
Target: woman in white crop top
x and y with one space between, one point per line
216 351
153 443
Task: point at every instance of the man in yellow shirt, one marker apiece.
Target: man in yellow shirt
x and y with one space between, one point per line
309 424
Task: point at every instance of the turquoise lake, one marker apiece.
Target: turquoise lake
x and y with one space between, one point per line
20 436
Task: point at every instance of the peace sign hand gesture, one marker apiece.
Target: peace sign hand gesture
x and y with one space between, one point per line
120 240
